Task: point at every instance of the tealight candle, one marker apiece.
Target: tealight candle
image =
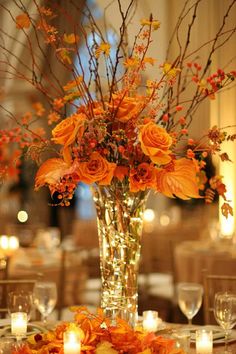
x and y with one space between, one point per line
150 321
204 342
19 324
72 343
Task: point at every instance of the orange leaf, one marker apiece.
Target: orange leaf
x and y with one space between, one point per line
50 172
22 21
226 209
180 182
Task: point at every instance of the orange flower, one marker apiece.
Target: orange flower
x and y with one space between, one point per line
68 130
120 172
39 109
125 108
70 38
131 62
102 48
154 23
181 181
142 177
155 143
97 169
170 71
50 172
22 21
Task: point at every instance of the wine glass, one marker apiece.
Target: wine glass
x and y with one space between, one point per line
20 301
45 298
225 313
189 299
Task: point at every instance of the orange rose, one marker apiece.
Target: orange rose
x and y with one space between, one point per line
155 143
142 177
97 169
125 108
181 181
67 131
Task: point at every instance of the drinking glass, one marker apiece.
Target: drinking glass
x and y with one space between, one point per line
189 299
20 301
225 313
45 298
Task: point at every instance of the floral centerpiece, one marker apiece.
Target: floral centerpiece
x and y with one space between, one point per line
115 129
99 336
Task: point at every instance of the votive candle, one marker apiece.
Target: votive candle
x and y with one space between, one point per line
150 321
72 343
19 324
204 342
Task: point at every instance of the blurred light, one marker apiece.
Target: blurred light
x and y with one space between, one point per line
4 242
149 215
164 220
9 244
22 216
13 243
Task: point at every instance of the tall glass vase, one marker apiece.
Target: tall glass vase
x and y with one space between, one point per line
119 219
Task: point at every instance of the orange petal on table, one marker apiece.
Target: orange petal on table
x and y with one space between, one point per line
181 182
50 172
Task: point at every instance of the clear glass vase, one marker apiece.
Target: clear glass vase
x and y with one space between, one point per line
120 221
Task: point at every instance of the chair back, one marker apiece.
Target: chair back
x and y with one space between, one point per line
212 284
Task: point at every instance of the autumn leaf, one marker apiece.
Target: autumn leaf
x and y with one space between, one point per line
105 348
225 157
22 21
226 210
180 182
50 172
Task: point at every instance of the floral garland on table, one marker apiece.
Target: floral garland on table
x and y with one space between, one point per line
124 128
98 336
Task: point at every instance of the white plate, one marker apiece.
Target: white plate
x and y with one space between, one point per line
31 329
218 334
5 322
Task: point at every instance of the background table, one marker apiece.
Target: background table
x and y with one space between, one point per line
192 257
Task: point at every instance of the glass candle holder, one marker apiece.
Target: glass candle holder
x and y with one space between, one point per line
72 343
150 321
182 339
19 324
204 341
